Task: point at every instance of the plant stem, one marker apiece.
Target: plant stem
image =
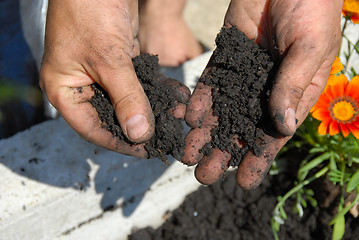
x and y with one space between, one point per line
350 43
342 188
292 191
344 26
344 211
300 186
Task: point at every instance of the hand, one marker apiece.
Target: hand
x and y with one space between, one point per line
93 42
164 31
304 37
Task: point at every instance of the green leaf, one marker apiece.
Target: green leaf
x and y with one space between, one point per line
303 202
344 211
282 213
309 192
315 162
352 73
339 228
299 208
317 150
355 159
353 182
275 228
333 164
312 201
336 156
356 46
278 220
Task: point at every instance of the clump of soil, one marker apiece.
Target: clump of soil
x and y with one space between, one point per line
240 73
225 211
168 138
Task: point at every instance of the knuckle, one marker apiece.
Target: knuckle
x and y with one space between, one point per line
106 54
296 92
126 101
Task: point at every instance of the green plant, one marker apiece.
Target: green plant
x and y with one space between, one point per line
330 133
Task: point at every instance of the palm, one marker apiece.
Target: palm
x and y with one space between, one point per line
303 38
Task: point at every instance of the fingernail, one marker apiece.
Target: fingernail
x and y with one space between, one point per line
136 127
290 120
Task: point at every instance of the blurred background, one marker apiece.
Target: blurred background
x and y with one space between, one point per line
205 18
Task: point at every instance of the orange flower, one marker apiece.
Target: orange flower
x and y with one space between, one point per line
338 106
351 10
336 66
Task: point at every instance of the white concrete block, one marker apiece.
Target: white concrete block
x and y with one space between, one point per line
55 185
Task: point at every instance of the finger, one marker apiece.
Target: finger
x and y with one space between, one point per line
244 15
196 139
253 168
313 91
178 111
180 91
295 74
77 110
212 167
130 102
199 105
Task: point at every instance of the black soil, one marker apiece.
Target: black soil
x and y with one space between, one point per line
168 138
240 73
224 211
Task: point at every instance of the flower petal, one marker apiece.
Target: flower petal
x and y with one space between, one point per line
322 103
336 66
345 131
329 93
321 114
338 88
355 19
354 130
323 127
356 123
333 128
351 9
353 88
324 99
332 79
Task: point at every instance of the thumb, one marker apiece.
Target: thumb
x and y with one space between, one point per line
132 108
295 73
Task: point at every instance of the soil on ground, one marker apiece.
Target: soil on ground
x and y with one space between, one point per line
224 211
240 73
168 138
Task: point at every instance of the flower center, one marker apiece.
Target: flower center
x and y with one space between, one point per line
343 110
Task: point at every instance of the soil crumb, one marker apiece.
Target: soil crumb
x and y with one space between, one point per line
240 74
168 138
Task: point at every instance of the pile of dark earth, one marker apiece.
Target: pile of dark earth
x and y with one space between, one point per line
168 138
224 211
240 73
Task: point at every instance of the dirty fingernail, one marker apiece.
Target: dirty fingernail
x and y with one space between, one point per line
290 119
136 127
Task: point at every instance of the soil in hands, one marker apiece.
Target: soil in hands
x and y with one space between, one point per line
240 73
168 138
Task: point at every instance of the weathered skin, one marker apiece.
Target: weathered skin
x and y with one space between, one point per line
304 37
93 42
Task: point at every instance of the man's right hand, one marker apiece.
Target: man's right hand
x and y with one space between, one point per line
90 42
